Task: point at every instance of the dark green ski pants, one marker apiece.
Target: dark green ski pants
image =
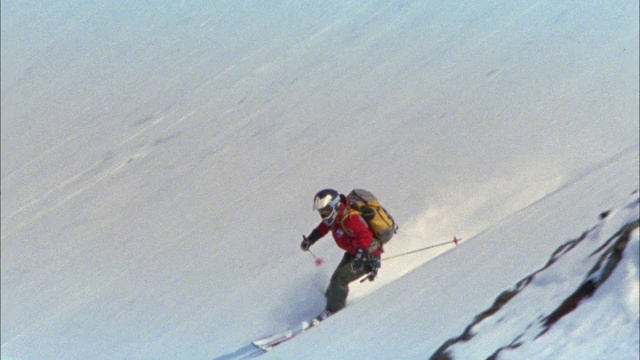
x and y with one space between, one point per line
339 286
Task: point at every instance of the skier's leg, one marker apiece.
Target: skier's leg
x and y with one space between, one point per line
338 289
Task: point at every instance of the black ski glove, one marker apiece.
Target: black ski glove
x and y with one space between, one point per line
310 240
305 244
372 275
374 265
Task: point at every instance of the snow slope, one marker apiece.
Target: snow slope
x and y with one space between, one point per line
158 163
417 314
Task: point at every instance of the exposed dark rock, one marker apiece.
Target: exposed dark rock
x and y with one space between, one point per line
596 276
613 252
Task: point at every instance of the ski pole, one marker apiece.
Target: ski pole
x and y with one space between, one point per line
318 260
455 241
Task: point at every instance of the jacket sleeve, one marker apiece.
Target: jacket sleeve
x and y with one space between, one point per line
319 232
362 237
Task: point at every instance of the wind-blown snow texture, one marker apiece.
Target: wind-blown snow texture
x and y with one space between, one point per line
158 162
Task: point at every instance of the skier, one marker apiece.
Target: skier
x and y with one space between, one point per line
352 234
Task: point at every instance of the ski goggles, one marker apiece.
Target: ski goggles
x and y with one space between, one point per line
326 211
330 209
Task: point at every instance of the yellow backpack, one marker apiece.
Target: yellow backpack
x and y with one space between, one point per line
367 205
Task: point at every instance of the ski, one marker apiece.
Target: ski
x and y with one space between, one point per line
272 341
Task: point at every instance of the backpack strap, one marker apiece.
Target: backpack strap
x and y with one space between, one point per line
347 212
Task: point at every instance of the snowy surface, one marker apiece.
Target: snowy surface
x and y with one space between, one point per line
158 163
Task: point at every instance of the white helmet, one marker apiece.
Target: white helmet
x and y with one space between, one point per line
327 203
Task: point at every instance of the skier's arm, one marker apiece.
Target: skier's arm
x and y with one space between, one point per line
315 235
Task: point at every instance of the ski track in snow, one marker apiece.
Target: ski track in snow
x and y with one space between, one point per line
75 185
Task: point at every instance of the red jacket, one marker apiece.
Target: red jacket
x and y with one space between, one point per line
356 233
